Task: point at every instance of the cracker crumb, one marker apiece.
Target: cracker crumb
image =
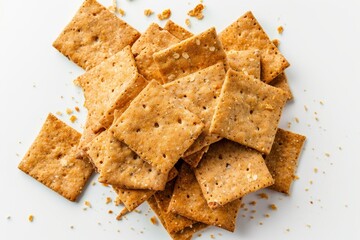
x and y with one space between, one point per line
187 22
77 109
113 7
273 207
110 212
267 215
280 29
253 211
315 170
93 183
72 227
148 12
137 211
308 225
296 177
260 223
108 200
69 111
164 15
297 120
73 118
289 125
153 220
88 204
197 11
251 217
327 154
212 236
288 229
31 218
253 203
305 107
199 235
321 103
121 12
59 113
276 42
263 196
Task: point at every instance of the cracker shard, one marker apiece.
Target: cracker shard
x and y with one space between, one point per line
196 53
93 35
247 34
188 201
118 165
235 171
283 158
51 159
248 111
157 127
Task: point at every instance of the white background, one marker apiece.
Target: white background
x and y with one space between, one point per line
320 40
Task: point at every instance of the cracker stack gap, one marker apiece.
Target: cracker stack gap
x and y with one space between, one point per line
212 100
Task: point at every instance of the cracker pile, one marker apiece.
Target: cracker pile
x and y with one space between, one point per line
188 123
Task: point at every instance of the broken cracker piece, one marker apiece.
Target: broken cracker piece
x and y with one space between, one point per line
164 14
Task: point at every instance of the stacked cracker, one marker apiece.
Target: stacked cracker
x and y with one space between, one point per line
187 123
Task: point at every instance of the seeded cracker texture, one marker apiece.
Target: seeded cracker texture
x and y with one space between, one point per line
185 234
198 92
247 62
157 127
188 201
190 55
109 86
51 159
93 35
248 111
229 171
176 30
283 158
247 34
118 165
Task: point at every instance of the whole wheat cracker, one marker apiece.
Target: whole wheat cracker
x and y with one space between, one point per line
247 34
282 161
190 55
248 111
51 159
157 127
229 171
93 35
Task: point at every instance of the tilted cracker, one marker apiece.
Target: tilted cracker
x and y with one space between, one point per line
154 39
190 55
109 86
188 201
229 171
178 31
198 92
173 222
283 158
281 82
247 34
194 159
246 61
248 111
157 127
52 160
119 166
93 35
185 234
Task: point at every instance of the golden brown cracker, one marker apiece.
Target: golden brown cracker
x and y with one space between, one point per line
198 92
229 171
247 34
157 127
52 160
246 61
190 55
283 159
248 111
93 35
176 30
119 166
188 201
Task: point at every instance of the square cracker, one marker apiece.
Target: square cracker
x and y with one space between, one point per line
51 159
283 158
178 31
93 35
194 159
248 111
154 39
229 171
281 82
173 222
186 233
157 127
247 34
198 92
110 85
119 166
245 61
132 198
190 55
188 201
